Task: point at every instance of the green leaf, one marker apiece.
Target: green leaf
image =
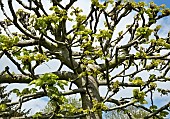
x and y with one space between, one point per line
153 107
33 90
139 95
38 115
116 84
25 91
37 82
3 107
138 81
16 91
164 113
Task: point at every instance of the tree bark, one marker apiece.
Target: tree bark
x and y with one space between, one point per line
92 93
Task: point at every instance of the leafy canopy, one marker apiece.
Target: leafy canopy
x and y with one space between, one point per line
115 44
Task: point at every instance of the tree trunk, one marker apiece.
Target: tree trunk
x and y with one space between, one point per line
92 93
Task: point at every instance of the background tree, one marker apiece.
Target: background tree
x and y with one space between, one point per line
138 113
91 53
71 104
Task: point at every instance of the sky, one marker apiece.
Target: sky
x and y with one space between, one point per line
51 66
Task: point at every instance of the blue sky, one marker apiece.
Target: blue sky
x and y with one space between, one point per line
51 66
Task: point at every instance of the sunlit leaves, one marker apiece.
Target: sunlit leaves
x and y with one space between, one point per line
106 34
141 4
160 42
45 22
144 31
40 57
95 43
153 64
139 95
25 59
154 9
165 12
49 79
7 22
7 43
84 32
116 84
76 11
137 81
97 106
111 1
40 25
98 53
52 86
28 56
87 45
141 54
25 91
80 18
97 4
152 77
55 9
153 85
45 79
70 106
3 107
56 97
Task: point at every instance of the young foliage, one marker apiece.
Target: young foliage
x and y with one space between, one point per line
113 44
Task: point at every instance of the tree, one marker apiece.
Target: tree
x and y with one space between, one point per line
95 56
138 113
73 102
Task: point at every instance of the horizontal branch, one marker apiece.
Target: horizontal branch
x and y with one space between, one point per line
27 43
20 78
74 91
117 102
40 94
28 97
104 83
122 106
157 111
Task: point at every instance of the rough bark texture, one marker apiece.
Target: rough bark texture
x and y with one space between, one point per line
91 94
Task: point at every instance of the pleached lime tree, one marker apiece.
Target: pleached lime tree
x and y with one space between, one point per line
111 44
